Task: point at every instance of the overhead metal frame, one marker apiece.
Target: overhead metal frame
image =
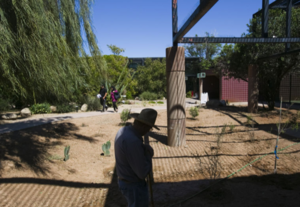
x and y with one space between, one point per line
206 5
237 40
279 4
201 10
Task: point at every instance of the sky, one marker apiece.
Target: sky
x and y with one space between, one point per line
143 28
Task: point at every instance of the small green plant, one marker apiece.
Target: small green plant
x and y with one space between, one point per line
144 103
43 108
231 127
125 115
160 102
66 152
152 102
148 96
219 134
249 119
194 112
212 164
105 148
84 125
189 94
251 135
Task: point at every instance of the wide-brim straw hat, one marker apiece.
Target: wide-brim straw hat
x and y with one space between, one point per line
147 116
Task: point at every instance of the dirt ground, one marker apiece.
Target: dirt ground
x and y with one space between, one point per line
33 173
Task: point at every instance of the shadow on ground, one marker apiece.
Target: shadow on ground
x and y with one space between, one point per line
29 147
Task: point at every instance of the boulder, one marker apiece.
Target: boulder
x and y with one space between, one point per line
213 103
53 108
84 107
9 116
137 98
25 112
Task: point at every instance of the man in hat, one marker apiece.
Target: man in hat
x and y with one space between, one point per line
103 93
133 158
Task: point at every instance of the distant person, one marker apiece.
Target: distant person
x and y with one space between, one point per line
114 96
103 93
134 159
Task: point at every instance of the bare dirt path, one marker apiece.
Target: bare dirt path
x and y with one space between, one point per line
34 174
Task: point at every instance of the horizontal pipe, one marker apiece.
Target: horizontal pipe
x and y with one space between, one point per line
238 40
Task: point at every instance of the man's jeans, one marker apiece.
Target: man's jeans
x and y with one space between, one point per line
136 194
103 103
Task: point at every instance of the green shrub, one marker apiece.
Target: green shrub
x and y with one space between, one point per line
128 95
160 102
4 105
152 102
43 108
189 94
148 96
65 108
125 115
194 112
94 103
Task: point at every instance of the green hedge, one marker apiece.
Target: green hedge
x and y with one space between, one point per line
148 96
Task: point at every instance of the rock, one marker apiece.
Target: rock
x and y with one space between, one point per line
213 103
131 102
223 102
25 112
53 108
9 116
137 98
84 107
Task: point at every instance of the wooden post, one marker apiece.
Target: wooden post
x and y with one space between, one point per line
200 87
176 95
252 89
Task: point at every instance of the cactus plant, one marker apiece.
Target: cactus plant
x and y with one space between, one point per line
66 152
105 148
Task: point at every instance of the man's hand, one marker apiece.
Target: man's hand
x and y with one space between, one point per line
149 150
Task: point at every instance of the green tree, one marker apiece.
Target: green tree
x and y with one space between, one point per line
233 61
42 57
118 73
206 54
152 77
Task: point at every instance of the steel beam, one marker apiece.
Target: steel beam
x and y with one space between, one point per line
270 6
279 54
174 19
202 9
265 18
238 40
279 4
288 23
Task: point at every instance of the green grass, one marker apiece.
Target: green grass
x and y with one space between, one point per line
160 102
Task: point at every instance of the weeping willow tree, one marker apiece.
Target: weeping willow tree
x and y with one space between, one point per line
42 55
